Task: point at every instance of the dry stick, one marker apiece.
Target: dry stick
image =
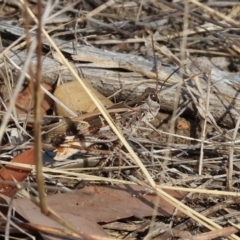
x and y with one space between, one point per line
178 90
223 54
165 38
204 128
139 11
96 178
37 114
100 8
231 153
77 176
225 232
202 191
9 86
215 13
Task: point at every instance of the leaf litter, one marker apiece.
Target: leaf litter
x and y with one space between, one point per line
126 27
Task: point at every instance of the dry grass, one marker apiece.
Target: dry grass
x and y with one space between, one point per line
166 33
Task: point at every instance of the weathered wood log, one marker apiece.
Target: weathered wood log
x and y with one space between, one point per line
109 71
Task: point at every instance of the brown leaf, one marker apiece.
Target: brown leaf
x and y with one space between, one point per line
75 98
15 173
33 214
83 208
105 204
24 101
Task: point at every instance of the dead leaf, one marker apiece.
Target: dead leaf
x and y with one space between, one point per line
24 101
76 99
15 173
82 224
34 216
104 204
87 206
46 102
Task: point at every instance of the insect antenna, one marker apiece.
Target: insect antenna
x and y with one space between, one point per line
156 69
155 63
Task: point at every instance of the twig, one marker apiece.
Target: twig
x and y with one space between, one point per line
37 114
204 128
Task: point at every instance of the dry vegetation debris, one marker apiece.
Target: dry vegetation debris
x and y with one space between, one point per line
186 53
